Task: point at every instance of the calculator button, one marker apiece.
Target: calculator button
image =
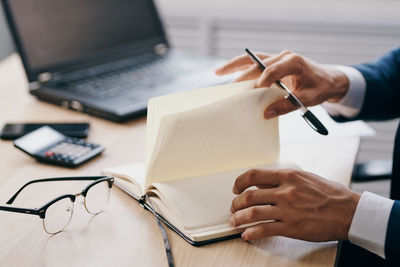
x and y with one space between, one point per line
49 154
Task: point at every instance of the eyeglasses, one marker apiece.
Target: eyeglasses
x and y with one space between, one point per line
57 213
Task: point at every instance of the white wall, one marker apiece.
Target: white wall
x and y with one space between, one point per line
330 31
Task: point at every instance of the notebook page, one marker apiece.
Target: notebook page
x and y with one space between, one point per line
199 201
183 101
204 202
134 173
224 135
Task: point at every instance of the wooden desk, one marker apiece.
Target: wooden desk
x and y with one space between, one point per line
125 235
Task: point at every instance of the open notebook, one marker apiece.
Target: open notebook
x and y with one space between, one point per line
198 143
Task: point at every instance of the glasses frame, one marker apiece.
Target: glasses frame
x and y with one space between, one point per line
41 211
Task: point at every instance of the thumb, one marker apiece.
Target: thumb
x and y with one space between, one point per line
279 107
264 230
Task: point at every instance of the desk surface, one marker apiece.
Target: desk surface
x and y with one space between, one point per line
125 235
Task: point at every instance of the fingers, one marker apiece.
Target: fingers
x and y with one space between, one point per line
253 198
238 63
287 63
263 230
254 214
256 177
279 107
254 71
265 186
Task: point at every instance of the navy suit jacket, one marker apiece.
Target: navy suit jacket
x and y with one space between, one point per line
382 101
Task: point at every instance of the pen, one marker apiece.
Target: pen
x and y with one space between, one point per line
308 116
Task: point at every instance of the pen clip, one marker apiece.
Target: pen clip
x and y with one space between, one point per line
314 123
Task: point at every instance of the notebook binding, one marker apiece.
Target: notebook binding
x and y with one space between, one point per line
142 202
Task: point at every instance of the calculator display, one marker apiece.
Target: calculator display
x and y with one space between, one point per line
39 139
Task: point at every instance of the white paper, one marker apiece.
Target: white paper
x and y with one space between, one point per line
294 129
210 130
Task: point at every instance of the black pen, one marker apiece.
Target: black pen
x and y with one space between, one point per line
308 116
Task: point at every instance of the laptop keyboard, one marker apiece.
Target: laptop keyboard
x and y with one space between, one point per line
138 79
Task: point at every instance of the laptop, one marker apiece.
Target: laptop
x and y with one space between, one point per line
102 57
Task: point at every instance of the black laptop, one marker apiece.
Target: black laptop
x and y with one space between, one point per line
102 57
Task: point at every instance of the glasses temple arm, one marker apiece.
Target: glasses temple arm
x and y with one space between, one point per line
84 178
20 210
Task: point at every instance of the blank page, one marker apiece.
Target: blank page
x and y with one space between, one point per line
160 106
195 138
199 202
204 202
134 173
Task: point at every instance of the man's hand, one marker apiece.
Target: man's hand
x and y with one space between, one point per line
302 205
312 83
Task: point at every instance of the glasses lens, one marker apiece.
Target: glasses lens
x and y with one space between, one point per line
97 197
58 216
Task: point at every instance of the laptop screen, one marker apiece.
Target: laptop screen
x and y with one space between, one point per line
55 33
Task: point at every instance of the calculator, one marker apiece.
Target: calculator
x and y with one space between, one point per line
50 146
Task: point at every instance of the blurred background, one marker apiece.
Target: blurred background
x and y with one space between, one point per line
328 31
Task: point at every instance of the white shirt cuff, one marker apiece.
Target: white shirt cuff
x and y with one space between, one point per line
350 105
369 225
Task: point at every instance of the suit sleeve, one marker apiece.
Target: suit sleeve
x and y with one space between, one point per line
392 243
382 95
